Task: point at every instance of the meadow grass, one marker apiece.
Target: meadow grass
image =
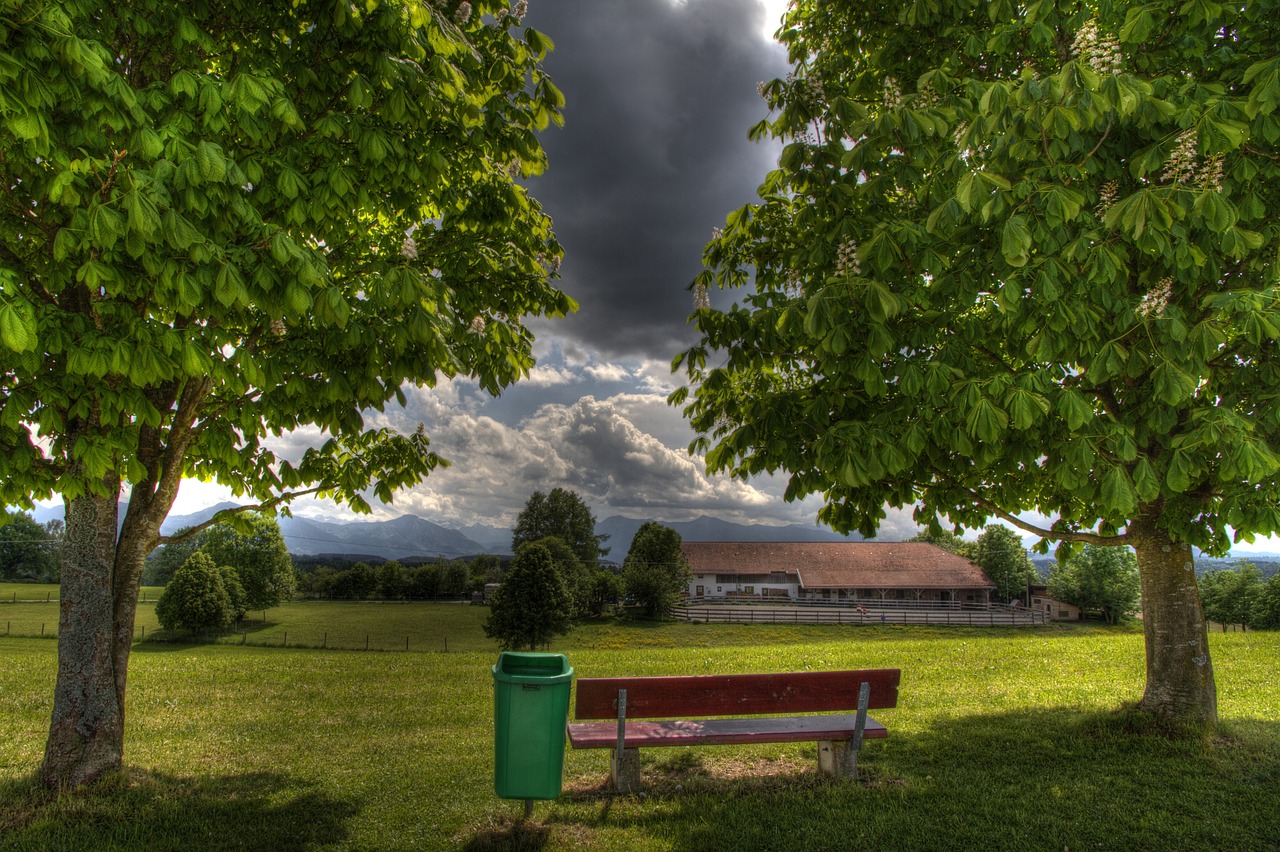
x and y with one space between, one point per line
1003 739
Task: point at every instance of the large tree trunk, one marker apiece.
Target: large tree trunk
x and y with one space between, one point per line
86 734
1180 686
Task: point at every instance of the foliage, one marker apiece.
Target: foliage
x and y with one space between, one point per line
358 582
562 514
1003 558
655 573
949 542
1015 257
236 595
393 581
532 605
196 599
579 579
1266 615
454 580
485 568
28 550
1098 579
254 547
166 559
425 581
1232 596
225 222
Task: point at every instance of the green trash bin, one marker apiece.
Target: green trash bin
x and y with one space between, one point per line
530 711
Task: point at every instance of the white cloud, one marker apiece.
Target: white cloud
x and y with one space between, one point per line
608 372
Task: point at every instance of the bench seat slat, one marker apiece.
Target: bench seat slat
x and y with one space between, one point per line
771 729
735 695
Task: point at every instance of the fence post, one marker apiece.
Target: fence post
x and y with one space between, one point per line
366 641
42 628
326 640
144 633
446 644
406 643
286 638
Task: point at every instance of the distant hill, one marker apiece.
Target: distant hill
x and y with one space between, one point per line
402 538
705 528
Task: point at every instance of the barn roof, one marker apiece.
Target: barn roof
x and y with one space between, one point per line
841 565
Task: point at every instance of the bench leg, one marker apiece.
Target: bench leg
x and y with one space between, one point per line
838 758
625 771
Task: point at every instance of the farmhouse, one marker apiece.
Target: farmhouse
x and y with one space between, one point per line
836 572
1053 608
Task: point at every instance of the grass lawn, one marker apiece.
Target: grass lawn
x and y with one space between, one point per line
1003 739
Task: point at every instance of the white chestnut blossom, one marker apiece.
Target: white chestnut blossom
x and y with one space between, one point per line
847 259
409 248
1102 52
463 13
1181 165
1106 197
477 325
701 298
1155 301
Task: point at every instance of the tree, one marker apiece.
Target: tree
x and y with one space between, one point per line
393 581
655 572
222 222
196 600
27 550
1267 614
1231 595
949 542
1098 579
1016 257
578 578
252 544
164 561
562 514
532 604
425 581
1003 558
356 583
454 579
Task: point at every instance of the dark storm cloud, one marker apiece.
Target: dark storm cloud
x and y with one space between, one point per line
653 154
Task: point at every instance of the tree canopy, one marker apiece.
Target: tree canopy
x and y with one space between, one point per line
255 549
1003 558
1016 257
532 605
28 550
655 572
562 514
1102 580
196 599
227 221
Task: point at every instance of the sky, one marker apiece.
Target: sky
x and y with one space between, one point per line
653 154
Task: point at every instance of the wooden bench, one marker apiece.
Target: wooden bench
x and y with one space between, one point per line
623 700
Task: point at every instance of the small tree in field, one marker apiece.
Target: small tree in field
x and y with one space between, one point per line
655 571
532 605
196 599
253 546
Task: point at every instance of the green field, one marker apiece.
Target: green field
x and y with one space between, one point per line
1004 739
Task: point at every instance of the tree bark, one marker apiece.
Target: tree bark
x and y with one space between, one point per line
1180 686
86 734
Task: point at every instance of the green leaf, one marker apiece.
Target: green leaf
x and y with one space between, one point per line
17 329
1015 241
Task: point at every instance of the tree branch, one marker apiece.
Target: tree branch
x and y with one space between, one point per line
226 513
1057 535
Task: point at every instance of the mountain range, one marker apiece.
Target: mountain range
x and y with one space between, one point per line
409 536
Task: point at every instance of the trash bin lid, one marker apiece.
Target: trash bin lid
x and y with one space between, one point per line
528 667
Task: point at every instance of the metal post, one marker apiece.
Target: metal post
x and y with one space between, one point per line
622 735
855 744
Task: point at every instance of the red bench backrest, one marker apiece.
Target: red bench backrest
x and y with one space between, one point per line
734 695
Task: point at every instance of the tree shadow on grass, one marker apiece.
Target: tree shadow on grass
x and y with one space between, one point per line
257 812
1051 779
